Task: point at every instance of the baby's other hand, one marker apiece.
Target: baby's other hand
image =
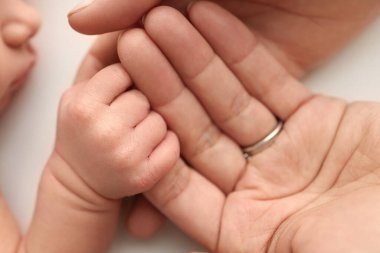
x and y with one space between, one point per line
110 138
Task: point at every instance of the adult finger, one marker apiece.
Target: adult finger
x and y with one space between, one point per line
232 108
203 145
101 16
255 67
143 220
192 202
102 53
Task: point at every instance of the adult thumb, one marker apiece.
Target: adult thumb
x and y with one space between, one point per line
102 16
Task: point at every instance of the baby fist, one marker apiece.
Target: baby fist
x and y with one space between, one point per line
108 135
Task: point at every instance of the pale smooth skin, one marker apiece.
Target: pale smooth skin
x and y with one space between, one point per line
18 24
316 189
299 34
89 205
109 145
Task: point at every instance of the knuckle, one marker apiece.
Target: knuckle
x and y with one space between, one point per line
207 139
239 104
158 120
150 170
139 99
127 156
67 96
106 133
274 81
118 73
73 109
79 111
143 183
173 185
144 178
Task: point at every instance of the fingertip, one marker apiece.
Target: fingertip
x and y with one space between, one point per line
160 14
144 220
173 141
79 22
108 16
131 40
156 165
166 154
195 7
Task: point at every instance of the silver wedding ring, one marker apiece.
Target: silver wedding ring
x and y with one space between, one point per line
264 143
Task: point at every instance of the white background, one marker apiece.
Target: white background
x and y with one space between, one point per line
28 127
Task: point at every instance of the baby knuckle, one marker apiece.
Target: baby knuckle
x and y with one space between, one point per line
73 110
79 111
107 134
140 98
158 120
143 181
126 157
118 73
66 97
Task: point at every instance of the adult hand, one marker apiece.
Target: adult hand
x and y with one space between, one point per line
315 189
300 34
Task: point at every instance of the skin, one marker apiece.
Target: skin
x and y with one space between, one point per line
300 35
315 189
74 181
109 145
18 24
100 156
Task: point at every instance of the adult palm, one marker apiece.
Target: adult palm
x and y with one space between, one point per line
315 188
300 34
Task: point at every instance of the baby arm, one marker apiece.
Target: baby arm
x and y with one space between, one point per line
9 232
109 145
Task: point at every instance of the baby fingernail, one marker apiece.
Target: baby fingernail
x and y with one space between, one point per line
81 6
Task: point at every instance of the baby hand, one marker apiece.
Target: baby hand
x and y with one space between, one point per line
110 138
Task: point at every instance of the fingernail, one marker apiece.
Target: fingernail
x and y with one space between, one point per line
81 6
143 20
189 6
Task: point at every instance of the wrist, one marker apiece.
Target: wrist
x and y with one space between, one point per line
67 209
59 172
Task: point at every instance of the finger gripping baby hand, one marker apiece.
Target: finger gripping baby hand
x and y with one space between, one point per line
109 136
